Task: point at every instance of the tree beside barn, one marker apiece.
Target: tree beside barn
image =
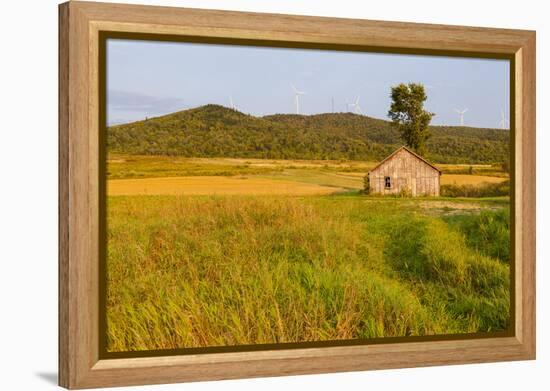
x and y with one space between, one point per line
408 114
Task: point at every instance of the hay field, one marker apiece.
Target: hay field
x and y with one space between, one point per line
462 179
169 175
137 166
287 182
215 185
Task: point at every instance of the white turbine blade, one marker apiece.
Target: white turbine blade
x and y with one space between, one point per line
465 110
357 100
296 91
457 110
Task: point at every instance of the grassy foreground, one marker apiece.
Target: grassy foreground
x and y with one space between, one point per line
202 271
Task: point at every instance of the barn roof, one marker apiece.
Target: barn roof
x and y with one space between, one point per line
409 151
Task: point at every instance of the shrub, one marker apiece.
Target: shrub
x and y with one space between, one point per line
405 192
366 184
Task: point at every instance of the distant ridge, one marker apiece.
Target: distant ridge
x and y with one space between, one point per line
217 131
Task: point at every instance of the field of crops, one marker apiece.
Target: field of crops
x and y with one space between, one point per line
206 252
215 185
137 166
146 175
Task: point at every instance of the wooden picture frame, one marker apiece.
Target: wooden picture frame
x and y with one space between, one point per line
80 26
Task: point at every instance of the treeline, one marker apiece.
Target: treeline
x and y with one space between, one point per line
216 131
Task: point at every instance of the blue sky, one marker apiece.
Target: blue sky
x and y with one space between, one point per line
147 79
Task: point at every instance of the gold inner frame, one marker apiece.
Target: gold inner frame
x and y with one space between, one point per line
104 36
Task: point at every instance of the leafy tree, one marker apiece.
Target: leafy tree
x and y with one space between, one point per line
407 112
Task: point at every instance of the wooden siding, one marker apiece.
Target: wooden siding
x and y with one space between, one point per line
407 173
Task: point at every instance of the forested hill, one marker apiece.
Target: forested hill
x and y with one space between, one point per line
216 131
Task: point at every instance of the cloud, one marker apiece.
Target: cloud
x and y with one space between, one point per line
132 101
126 106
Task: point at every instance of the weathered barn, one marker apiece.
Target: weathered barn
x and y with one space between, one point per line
404 172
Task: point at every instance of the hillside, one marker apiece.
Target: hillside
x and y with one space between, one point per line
216 131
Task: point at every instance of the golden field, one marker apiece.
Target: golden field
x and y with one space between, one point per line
139 166
214 185
462 179
169 175
299 182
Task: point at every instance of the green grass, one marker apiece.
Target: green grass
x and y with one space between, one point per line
488 233
213 271
481 190
323 177
127 166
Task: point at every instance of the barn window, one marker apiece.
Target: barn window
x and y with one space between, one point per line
387 182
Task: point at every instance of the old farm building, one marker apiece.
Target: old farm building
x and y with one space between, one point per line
404 172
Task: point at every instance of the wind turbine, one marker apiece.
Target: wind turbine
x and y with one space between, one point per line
356 106
461 113
503 120
297 97
231 104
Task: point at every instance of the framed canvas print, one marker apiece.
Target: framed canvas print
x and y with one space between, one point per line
248 195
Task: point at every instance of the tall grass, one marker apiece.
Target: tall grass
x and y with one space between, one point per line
211 271
476 191
471 289
488 232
